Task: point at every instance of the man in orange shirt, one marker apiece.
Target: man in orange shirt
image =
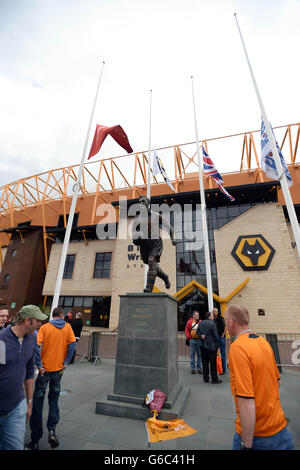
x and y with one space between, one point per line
55 348
255 381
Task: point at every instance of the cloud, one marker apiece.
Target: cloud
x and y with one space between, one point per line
51 54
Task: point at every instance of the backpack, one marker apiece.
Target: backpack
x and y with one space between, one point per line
193 330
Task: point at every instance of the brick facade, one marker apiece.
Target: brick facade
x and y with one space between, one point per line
82 282
275 290
126 275
24 263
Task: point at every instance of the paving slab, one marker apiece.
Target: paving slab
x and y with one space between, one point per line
209 410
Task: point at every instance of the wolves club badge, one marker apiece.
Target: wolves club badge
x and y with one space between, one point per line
253 252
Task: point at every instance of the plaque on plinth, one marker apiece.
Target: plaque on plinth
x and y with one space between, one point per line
147 358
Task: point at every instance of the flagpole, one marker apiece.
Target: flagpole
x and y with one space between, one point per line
203 213
149 147
146 267
280 170
73 206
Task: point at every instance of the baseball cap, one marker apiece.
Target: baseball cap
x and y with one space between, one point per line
31 311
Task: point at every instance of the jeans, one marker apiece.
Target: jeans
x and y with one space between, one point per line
281 441
222 345
13 427
73 358
195 349
36 419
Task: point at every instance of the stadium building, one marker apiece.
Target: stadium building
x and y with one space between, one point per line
252 251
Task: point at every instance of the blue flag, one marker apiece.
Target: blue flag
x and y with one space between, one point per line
267 159
157 167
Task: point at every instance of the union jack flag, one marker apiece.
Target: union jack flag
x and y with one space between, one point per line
209 169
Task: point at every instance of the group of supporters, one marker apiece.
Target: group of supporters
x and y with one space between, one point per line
254 376
27 345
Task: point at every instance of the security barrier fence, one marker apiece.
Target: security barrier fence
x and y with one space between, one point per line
94 345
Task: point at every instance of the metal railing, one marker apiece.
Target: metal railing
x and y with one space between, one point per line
94 345
286 348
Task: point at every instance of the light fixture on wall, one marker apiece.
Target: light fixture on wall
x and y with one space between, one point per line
293 244
261 311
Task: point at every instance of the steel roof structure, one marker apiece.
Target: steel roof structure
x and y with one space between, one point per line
40 199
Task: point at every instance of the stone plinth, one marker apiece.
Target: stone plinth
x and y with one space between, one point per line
147 358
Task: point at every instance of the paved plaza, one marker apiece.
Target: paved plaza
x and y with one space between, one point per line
209 410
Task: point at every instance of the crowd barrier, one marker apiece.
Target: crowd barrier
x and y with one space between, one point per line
94 345
286 348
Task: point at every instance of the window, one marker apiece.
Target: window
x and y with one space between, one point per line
69 267
68 302
102 265
6 278
88 301
78 301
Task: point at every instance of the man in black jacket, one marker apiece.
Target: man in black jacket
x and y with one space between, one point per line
220 324
209 343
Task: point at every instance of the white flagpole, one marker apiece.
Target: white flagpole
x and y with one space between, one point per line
203 213
146 267
280 170
149 147
73 207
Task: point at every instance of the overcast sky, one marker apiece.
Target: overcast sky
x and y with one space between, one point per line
51 54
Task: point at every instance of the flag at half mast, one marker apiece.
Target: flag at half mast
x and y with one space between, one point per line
209 169
157 167
116 132
267 159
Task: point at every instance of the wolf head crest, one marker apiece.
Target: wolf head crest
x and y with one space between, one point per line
253 251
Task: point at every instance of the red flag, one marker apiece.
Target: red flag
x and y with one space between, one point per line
116 132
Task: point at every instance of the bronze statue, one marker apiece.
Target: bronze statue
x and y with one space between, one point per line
150 243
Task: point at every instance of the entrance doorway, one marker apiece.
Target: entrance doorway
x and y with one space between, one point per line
101 312
195 301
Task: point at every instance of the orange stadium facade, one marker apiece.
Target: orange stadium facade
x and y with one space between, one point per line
34 213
